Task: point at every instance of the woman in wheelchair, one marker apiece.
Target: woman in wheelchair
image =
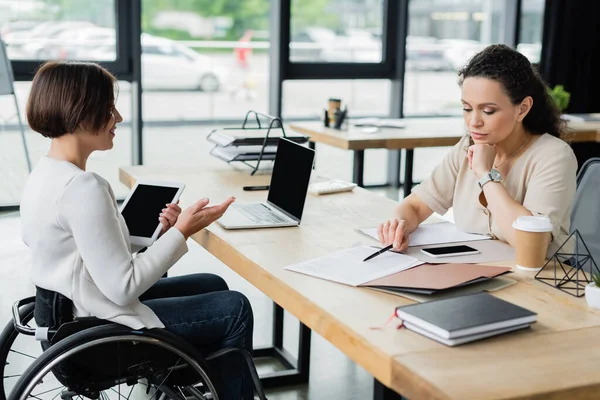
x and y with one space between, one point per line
80 243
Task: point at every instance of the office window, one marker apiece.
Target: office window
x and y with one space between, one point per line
59 29
336 31
306 99
442 36
531 29
13 168
203 63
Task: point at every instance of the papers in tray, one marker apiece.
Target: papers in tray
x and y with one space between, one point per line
250 136
347 266
435 233
243 153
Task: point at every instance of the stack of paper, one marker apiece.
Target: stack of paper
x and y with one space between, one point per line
436 233
244 153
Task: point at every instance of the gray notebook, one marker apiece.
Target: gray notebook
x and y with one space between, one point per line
465 315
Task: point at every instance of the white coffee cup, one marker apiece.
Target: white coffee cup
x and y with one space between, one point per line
532 237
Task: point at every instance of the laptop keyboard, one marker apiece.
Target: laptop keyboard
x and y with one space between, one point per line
260 214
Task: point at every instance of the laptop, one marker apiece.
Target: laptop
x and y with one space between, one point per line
287 192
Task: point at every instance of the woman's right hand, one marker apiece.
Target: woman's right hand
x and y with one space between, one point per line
198 216
393 232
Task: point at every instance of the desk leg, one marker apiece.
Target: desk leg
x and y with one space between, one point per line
393 168
297 369
382 392
359 167
408 171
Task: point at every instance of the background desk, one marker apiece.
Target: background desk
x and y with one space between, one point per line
557 358
419 132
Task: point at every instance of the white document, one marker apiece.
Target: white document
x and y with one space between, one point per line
435 233
347 266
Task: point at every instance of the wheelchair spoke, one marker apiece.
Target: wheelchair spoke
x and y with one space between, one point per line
131 391
165 379
23 354
47 391
118 392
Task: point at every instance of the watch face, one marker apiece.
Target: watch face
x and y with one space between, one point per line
495 175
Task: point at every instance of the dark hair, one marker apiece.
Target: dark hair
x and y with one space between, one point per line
67 95
519 80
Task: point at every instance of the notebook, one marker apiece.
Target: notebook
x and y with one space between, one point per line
465 315
464 339
347 266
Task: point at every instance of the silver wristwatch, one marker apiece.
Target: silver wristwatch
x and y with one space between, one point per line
493 176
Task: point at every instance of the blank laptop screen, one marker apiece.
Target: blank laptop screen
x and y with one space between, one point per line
291 174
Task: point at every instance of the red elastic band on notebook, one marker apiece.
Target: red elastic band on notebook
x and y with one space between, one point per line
400 326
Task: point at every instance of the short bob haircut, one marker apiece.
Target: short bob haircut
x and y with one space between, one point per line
69 95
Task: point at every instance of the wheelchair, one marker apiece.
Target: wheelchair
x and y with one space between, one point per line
97 359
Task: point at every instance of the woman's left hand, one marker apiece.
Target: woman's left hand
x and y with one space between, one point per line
481 158
168 216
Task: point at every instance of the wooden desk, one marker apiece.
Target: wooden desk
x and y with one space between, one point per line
556 358
419 132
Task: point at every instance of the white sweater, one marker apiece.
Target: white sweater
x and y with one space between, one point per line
80 245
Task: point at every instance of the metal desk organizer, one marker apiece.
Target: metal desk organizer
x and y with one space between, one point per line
262 139
570 268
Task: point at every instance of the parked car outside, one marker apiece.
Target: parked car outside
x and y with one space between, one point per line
168 65
36 43
424 53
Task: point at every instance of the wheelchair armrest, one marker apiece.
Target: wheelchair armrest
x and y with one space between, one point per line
19 327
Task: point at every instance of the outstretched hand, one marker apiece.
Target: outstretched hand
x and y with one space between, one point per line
198 216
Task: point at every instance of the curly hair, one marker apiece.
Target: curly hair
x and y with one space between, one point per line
519 80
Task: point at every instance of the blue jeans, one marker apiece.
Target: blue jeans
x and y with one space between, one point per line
201 309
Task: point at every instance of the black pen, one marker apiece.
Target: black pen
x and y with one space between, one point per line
247 188
386 248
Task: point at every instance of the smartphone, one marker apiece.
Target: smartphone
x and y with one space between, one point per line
449 251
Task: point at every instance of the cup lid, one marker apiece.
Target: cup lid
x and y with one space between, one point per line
533 224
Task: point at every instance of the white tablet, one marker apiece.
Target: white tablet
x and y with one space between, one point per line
143 206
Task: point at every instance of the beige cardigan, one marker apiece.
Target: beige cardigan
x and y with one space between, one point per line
542 179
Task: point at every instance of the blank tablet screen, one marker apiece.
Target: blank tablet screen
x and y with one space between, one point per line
143 208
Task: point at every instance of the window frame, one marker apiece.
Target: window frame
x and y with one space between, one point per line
122 67
318 70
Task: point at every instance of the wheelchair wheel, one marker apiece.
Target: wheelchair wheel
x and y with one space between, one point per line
108 362
17 352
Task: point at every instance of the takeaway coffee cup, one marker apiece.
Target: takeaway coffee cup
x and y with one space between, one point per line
532 236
